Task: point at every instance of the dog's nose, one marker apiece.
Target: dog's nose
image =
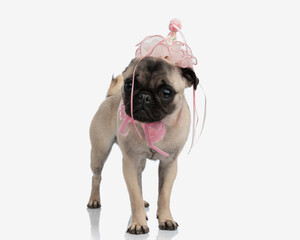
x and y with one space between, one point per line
145 98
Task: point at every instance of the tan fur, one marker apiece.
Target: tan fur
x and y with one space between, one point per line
104 132
115 85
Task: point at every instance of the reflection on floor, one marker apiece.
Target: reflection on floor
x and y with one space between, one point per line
94 215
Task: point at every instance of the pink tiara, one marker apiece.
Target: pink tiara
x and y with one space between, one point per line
169 48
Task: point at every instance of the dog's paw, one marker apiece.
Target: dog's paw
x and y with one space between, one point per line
94 203
168 225
146 204
135 228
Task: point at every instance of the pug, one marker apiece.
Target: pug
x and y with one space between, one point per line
158 97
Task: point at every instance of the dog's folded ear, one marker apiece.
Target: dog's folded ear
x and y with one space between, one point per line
189 75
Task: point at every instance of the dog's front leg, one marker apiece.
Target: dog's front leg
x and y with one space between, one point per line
167 175
132 170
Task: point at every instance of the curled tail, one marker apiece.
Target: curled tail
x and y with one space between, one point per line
115 85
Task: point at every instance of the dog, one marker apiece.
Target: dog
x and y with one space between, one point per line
158 96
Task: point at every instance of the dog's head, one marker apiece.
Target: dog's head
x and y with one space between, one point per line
158 88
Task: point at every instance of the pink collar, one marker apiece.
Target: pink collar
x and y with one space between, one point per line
154 132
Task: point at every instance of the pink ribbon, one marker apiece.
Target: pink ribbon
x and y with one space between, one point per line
154 132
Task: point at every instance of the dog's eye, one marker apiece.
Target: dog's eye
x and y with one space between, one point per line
128 86
167 93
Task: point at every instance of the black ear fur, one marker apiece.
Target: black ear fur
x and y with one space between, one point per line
190 76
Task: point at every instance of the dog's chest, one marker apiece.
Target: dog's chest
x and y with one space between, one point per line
136 147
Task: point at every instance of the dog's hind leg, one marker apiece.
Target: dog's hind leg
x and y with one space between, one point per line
103 135
98 159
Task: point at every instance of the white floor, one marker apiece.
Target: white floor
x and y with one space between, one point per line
211 200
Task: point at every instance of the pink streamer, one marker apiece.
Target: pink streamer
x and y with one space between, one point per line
154 132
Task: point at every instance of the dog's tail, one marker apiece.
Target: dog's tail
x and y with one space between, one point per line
115 85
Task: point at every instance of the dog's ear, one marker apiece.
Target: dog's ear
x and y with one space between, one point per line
131 65
189 75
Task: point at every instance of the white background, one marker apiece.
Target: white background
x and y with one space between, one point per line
241 181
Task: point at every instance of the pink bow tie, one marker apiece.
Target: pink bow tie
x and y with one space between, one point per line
154 132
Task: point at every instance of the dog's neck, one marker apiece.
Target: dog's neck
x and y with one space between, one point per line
153 132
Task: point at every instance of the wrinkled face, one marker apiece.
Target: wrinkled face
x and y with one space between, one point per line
158 89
